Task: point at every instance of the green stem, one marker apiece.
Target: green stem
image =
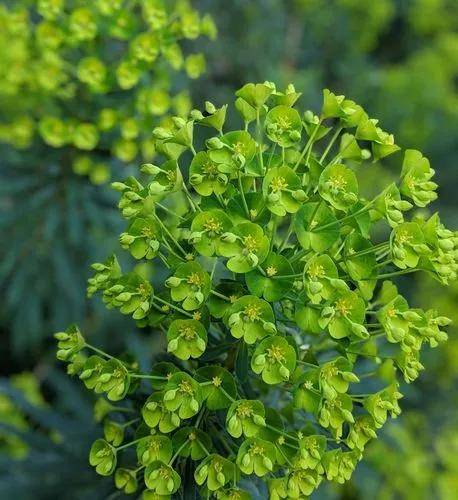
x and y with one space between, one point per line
260 144
171 212
308 364
170 249
274 232
170 235
283 433
331 142
312 218
348 217
228 396
129 444
308 145
203 447
130 422
164 260
98 351
220 295
286 276
189 197
373 249
261 270
242 192
298 255
399 273
165 302
178 452
287 236
150 377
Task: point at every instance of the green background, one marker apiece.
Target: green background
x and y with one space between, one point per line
399 59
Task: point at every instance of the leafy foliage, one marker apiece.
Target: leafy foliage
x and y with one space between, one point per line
81 86
281 364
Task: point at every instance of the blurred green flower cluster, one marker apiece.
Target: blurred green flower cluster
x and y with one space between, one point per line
413 467
278 300
11 415
94 77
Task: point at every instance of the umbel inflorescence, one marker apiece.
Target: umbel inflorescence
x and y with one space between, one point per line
285 334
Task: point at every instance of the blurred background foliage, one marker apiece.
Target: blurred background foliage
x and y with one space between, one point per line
398 58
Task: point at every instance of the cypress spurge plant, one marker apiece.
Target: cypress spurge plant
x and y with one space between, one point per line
278 312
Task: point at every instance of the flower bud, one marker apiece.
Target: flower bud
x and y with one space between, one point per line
273 197
270 328
196 179
260 360
210 108
151 406
170 395
229 238
350 377
172 345
348 416
258 420
178 122
220 477
268 463
215 143
194 405
395 215
175 419
246 460
284 372
156 188
149 168
411 316
201 474
119 186
173 282
402 205
154 245
299 195
359 330
161 133
124 297
252 259
234 426
126 239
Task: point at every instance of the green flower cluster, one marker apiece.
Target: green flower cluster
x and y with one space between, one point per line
94 76
278 306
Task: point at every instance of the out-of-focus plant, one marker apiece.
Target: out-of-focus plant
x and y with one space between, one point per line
82 84
47 442
91 78
10 414
278 306
411 466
